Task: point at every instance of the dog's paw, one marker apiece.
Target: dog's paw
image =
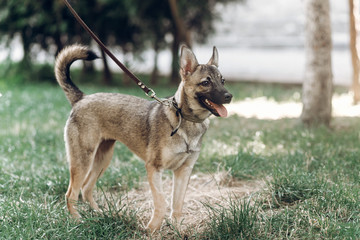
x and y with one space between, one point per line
153 225
176 216
176 221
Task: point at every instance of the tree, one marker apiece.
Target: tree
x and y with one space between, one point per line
354 47
132 25
116 24
317 86
15 19
191 21
154 20
179 35
45 24
181 21
42 23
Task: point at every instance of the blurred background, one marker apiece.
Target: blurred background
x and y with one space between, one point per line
258 40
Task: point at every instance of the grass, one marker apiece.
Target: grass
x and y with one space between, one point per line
312 175
239 219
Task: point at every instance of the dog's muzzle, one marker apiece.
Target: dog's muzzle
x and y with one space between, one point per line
215 104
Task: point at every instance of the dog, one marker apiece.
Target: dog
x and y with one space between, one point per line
165 136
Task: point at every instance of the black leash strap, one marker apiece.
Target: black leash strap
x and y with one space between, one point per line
148 91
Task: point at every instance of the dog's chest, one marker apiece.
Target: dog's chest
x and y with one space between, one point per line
190 142
181 147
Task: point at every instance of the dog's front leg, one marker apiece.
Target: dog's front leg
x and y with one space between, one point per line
180 182
154 178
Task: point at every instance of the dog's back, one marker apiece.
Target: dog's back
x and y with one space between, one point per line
116 116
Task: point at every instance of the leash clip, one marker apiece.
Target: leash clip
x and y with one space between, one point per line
151 94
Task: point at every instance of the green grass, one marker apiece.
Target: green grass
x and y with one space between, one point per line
312 175
237 220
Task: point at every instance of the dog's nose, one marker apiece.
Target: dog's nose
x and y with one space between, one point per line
227 97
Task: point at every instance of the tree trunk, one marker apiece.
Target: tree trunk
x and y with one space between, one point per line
175 78
107 77
155 72
354 47
317 86
181 35
26 61
88 68
58 43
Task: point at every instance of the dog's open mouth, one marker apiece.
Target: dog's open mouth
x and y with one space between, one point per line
217 109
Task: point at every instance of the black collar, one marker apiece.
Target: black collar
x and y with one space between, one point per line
178 114
176 106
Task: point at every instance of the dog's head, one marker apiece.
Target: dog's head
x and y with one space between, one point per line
203 84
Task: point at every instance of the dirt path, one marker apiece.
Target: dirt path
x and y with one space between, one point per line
203 188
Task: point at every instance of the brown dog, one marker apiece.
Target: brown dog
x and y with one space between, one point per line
165 136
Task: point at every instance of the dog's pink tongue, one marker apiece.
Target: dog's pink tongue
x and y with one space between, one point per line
221 110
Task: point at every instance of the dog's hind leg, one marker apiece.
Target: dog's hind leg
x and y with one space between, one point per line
102 160
79 163
154 178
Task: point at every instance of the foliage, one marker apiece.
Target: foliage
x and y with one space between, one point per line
131 25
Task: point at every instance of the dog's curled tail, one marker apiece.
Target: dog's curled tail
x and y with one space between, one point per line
62 70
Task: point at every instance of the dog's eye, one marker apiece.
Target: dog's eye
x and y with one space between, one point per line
223 81
205 83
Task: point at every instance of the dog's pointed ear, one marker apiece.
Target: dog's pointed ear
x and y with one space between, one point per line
188 62
214 60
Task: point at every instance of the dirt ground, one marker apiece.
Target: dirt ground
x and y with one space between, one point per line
203 189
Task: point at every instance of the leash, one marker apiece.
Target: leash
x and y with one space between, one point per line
148 91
